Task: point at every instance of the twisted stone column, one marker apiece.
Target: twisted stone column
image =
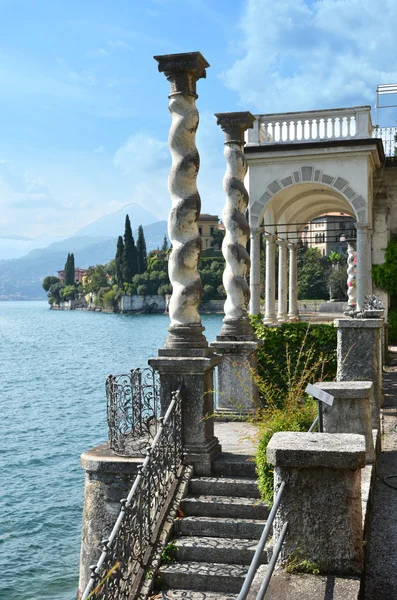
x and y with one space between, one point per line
236 324
183 71
364 280
293 314
255 273
270 283
351 277
282 281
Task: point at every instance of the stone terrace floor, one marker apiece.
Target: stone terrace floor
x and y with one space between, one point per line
237 438
381 575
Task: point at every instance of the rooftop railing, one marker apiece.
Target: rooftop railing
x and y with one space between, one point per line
388 135
311 126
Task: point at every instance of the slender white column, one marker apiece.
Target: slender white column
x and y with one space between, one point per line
255 271
282 281
351 277
270 305
293 314
236 324
183 71
364 279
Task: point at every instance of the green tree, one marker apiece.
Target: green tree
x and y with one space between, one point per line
55 292
313 274
119 262
130 255
96 279
68 292
49 281
141 250
69 270
165 246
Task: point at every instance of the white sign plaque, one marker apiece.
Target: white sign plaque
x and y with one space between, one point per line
319 394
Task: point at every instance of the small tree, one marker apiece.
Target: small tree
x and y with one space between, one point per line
49 281
165 246
141 250
69 270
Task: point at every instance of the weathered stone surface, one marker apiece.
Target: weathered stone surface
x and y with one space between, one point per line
284 586
321 500
308 450
108 479
351 410
359 355
237 389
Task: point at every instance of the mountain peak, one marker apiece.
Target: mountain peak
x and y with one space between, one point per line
112 225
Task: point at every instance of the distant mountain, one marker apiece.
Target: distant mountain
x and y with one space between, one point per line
113 225
15 246
24 275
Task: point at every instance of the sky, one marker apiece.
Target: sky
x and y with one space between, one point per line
84 111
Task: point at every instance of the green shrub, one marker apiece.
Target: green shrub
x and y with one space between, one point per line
385 275
109 298
290 350
392 321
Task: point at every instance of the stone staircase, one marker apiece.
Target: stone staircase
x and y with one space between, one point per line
216 538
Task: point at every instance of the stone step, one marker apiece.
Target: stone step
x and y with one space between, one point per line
220 527
217 550
192 595
224 506
204 576
234 465
224 486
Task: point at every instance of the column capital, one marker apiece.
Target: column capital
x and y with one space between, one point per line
183 70
282 243
255 231
361 226
234 125
270 238
292 245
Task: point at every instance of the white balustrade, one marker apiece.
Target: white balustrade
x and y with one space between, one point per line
310 126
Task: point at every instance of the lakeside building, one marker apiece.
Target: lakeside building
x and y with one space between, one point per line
329 233
78 275
207 225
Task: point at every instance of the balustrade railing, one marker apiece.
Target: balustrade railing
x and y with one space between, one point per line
133 410
128 548
310 126
388 135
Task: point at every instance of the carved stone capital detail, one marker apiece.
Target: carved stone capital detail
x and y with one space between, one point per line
183 70
234 125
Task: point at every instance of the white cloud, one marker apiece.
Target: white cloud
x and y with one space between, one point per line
99 150
299 55
141 154
98 53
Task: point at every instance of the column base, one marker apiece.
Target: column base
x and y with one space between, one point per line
237 387
194 376
269 319
282 318
293 318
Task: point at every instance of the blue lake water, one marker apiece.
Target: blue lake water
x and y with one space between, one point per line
53 366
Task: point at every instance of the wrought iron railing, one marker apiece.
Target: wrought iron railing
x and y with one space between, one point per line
133 410
130 542
388 135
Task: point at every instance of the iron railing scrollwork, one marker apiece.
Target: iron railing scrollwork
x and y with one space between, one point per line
133 410
126 550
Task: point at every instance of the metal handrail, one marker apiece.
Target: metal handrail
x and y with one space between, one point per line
261 545
100 582
272 563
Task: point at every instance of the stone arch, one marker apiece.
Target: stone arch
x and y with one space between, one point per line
309 175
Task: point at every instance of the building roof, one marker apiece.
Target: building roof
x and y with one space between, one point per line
207 217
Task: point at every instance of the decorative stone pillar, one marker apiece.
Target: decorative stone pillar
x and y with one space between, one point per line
359 356
108 479
364 265
351 277
351 410
255 271
282 281
186 361
293 313
237 342
270 299
321 500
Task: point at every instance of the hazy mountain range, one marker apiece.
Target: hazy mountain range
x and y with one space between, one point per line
93 244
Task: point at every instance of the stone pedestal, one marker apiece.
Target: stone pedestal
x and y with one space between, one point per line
108 479
237 388
322 498
195 377
351 410
359 353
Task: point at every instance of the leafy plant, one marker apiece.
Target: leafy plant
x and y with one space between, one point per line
168 554
297 564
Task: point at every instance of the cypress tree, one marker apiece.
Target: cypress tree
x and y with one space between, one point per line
119 262
130 255
69 273
72 269
141 250
165 246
